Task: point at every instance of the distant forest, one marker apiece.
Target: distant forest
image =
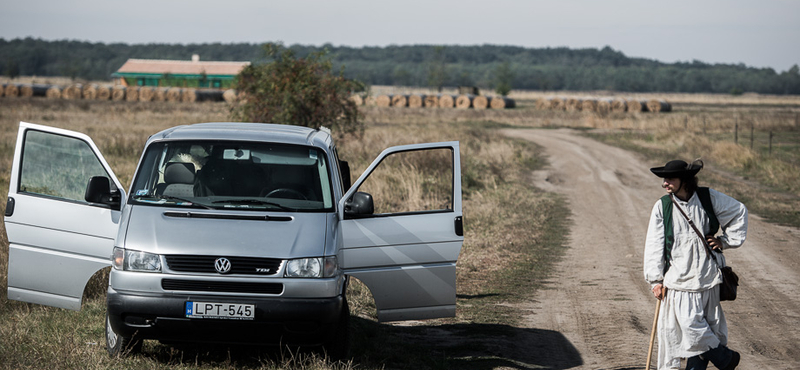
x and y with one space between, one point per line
485 66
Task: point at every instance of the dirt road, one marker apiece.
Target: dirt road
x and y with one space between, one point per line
598 299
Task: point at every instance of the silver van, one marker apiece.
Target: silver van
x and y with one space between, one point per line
230 233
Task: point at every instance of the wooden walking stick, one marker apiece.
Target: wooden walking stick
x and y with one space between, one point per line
655 326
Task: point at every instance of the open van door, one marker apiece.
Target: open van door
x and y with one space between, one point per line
58 239
405 250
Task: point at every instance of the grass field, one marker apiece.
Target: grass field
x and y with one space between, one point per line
511 228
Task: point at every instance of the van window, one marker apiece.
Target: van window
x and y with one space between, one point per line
234 175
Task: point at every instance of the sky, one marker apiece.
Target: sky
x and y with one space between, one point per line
763 34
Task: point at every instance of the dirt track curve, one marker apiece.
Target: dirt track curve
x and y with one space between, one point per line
597 298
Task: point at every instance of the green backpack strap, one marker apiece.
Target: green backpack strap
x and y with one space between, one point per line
669 235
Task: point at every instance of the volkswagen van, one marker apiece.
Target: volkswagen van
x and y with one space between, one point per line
229 233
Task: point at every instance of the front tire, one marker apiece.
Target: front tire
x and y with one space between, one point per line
337 347
117 345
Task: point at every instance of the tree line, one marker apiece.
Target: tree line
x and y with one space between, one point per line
485 66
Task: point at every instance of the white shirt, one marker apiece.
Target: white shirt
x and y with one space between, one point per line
691 269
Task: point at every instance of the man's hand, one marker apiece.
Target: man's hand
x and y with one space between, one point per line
714 243
659 291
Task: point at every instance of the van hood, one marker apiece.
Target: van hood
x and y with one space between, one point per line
281 235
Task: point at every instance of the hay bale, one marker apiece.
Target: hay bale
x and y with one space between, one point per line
371 101
89 91
542 104
72 92
558 103
619 106
2 90
132 93
637 105
229 96
384 100
146 93
603 106
103 92
118 93
431 101
400 101
657 106
573 104
464 101
11 90
447 101
356 99
416 101
160 94
589 105
480 102
174 94
53 92
189 95
501 102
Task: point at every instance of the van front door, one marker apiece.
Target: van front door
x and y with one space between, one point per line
406 250
57 240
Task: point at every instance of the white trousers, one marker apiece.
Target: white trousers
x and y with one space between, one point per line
689 324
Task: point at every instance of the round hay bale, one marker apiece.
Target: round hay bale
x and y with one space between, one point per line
431 101
637 105
501 102
53 92
416 101
447 101
370 101
656 106
356 99
118 93
619 106
160 94
2 90
573 104
384 100
25 90
480 102
72 92
464 101
146 93
132 93
542 104
103 92
400 101
558 103
589 105
89 91
189 95
12 90
604 106
229 96
174 94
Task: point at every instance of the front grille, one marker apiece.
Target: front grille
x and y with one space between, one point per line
239 265
221 287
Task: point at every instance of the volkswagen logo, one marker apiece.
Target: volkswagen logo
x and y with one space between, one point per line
222 265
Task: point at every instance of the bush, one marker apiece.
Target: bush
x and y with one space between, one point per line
297 91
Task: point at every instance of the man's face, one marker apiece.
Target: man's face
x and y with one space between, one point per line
671 184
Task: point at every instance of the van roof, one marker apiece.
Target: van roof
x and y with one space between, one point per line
264 132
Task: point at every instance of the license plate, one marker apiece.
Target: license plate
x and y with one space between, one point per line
212 310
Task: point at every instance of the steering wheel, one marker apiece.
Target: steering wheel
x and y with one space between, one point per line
288 194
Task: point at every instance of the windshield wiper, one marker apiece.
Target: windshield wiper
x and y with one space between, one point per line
173 198
254 201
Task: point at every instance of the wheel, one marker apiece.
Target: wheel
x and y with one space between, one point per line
337 347
117 345
287 193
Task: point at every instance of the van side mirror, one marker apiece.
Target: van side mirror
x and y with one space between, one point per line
359 205
99 191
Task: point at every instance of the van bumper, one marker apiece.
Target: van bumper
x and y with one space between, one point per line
292 321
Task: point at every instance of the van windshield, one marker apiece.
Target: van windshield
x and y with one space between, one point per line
234 175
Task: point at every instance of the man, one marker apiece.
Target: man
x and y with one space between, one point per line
683 275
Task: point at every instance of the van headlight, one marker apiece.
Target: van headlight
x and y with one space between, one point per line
128 260
312 267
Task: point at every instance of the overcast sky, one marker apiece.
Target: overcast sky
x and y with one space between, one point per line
760 33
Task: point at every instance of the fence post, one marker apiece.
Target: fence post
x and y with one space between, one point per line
736 132
752 132
770 142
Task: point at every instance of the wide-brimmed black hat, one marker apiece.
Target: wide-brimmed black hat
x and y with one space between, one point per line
678 168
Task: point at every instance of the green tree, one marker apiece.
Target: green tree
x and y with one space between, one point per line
298 91
12 69
503 77
437 72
